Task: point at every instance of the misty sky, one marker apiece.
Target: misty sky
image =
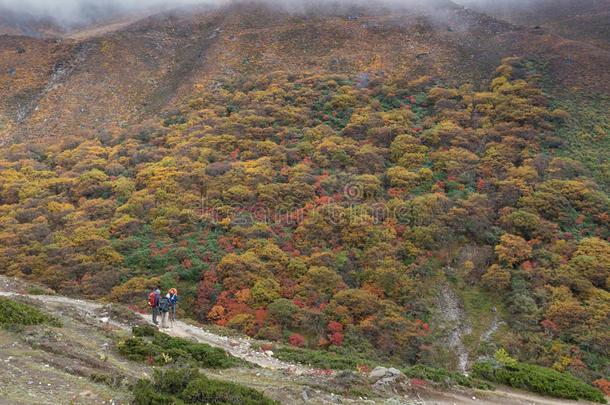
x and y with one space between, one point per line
82 11
73 12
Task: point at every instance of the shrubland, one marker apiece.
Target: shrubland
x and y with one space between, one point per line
321 211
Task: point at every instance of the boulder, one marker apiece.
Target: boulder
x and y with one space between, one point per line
378 373
382 375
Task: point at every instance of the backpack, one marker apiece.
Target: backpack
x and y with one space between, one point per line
164 304
151 299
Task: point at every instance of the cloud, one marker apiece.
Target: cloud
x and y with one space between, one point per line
75 12
80 12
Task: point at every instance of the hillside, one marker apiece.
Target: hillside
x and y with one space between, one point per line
422 186
77 359
585 20
103 83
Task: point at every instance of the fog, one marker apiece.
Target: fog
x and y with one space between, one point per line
78 12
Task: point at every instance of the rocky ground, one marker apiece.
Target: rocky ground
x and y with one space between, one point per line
77 364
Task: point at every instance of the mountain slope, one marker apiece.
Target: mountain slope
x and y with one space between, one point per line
98 84
334 180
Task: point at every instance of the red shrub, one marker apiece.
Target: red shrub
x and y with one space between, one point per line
417 382
296 340
603 385
335 327
336 339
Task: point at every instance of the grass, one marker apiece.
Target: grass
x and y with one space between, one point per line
188 386
478 305
587 131
36 291
15 313
157 348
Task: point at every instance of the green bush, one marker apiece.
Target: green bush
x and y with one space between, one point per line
136 349
149 343
145 394
15 313
174 381
209 357
188 386
203 390
445 377
36 291
320 359
146 330
537 379
112 380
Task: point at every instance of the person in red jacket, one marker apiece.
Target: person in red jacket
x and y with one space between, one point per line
153 302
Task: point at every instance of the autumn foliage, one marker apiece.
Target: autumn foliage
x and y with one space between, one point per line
312 210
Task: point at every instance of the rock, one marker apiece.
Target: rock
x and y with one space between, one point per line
104 319
378 373
393 371
268 353
384 376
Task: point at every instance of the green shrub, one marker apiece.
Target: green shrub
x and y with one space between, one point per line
36 291
112 380
445 377
145 394
15 313
537 379
174 381
210 357
188 386
146 330
320 359
203 390
136 349
163 348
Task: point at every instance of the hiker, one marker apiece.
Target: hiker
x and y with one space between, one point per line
164 309
173 299
153 302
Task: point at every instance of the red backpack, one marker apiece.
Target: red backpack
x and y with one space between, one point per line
151 299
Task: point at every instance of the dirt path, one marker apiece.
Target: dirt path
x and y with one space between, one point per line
237 346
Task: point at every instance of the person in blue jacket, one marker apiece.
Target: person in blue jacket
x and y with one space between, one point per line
173 300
